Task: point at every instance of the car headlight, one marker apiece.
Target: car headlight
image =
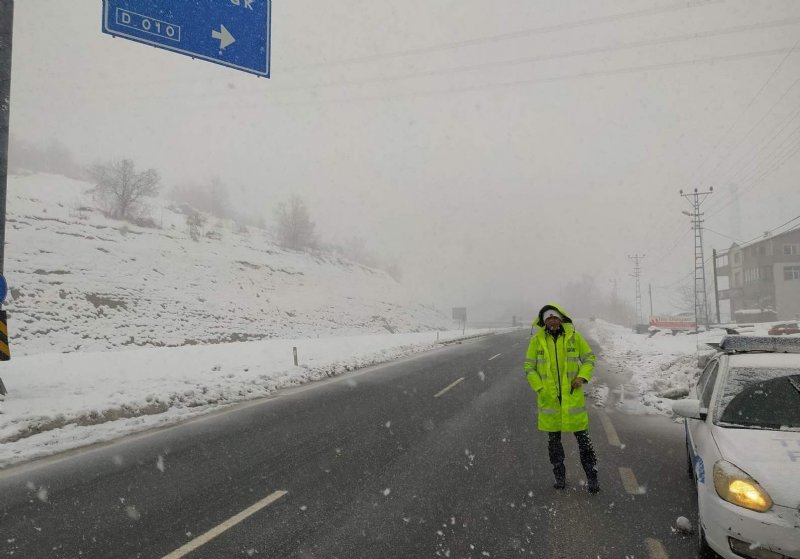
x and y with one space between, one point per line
736 487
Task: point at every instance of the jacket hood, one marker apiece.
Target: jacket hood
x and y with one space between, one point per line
540 321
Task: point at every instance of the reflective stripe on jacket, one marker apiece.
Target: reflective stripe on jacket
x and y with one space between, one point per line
551 365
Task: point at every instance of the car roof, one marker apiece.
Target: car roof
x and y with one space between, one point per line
766 360
758 344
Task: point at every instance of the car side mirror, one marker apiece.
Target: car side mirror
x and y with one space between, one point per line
689 408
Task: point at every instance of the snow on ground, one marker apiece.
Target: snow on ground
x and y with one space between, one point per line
79 281
60 401
663 367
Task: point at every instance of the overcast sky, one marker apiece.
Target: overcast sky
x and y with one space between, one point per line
493 150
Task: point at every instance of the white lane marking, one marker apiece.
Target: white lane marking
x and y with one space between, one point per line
451 385
629 481
493 356
656 549
217 530
611 433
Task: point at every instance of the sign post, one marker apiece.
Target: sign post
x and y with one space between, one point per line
234 33
6 33
460 313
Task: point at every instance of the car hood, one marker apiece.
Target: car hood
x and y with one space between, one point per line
772 458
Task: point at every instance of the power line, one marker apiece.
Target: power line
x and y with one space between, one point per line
682 279
723 235
755 151
771 162
769 111
778 158
553 79
742 113
546 57
747 107
678 6
784 154
771 231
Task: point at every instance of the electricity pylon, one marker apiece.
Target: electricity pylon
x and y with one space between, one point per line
700 301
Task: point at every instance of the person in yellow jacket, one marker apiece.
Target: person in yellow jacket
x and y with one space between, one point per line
558 364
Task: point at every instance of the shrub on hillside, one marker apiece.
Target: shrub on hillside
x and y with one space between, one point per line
295 230
120 190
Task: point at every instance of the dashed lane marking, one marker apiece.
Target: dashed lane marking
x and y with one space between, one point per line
217 530
655 549
611 433
445 389
493 356
629 481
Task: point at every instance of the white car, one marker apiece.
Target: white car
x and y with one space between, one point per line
743 447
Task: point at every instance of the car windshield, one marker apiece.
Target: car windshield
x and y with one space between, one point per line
761 398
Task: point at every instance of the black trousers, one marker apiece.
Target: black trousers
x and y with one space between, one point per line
585 448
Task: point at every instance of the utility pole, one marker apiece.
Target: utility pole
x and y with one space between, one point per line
637 273
700 302
650 290
716 285
6 33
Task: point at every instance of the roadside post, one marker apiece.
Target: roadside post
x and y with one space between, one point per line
6 33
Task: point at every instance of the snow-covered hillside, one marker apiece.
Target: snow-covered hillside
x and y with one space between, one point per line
80 281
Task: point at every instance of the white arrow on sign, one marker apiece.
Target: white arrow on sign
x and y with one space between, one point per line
224 36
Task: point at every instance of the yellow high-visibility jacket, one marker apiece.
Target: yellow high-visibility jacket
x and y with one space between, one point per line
551 365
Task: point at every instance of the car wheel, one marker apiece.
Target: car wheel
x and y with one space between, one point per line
703 550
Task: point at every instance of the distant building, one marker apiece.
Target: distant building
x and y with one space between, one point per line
763 278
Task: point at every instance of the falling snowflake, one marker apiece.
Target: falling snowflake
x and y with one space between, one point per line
132 513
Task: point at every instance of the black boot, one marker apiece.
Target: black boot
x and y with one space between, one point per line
593 485
588 460
561 476
556 452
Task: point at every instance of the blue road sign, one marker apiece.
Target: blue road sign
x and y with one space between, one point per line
233 33
3 288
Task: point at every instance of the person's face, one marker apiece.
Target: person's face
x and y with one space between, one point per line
552 322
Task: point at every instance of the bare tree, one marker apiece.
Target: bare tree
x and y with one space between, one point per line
195 221
684 299
295 228
120 189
